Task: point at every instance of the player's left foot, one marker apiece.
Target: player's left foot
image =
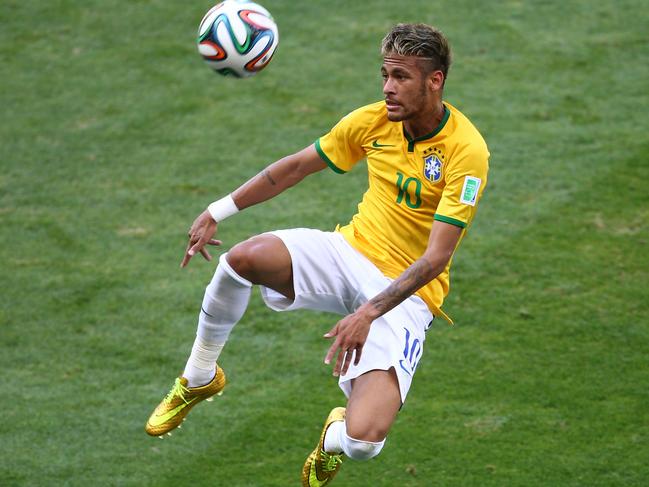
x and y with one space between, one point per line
321 467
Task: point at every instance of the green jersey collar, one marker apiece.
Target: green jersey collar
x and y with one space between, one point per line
438 129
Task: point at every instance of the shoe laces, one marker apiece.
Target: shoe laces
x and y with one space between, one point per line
330 461
177 390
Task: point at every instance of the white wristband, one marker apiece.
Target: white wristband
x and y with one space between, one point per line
223 208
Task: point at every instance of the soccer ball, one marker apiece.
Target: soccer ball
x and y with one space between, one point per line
238 38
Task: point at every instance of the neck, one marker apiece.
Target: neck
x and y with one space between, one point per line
425 123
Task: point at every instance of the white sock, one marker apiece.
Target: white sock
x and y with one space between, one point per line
225 301
201 366
337 441
332 437
360 449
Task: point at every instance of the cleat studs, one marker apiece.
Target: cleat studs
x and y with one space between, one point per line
219 393
209 399
180 426
169 434
161 437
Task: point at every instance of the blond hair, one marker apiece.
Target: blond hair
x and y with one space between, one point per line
422 41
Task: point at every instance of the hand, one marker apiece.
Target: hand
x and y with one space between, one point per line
351 333
200 234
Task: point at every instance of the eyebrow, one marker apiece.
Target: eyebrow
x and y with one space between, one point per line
396 70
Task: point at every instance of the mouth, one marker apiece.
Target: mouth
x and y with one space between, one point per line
391 104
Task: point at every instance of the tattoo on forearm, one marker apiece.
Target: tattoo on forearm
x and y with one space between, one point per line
414 277
269 177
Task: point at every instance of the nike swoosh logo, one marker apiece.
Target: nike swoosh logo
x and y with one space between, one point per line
163 418
313 474
378 146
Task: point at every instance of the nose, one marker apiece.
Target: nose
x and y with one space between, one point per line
388 86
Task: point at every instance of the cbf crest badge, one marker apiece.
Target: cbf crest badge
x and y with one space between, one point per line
433 168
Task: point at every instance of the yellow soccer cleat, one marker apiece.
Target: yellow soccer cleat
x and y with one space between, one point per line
321 467
177 404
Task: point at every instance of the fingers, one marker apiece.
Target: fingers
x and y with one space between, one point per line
199 247
357 356
206 255
348 359
200 234
333 332
344 358
350 335
191 251
332 349
187 256
192 247
339 361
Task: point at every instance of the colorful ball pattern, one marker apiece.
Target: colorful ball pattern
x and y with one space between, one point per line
237 38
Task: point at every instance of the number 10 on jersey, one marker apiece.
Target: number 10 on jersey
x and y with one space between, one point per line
405 193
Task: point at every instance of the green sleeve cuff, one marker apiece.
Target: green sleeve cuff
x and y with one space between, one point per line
329 162
452 221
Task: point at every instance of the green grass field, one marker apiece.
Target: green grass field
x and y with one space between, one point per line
115 135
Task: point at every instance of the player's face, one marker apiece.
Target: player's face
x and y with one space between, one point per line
408 92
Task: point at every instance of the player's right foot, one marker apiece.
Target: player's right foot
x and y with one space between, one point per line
177 404
321 467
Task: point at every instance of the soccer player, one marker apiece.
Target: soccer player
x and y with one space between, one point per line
386 272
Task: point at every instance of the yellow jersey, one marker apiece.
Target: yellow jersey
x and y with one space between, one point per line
412 181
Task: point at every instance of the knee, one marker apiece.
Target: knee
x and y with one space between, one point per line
264 260
365 430
363 438
241 258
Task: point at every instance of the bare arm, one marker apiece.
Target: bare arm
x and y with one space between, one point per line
278 177
272 181
351 332
441 244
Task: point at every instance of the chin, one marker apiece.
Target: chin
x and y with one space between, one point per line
395 116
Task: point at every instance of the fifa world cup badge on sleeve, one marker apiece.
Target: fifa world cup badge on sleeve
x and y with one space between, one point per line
470 190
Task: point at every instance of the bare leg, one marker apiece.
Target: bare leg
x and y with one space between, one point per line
373 405
375 398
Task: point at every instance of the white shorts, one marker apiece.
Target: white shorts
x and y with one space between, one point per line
330 275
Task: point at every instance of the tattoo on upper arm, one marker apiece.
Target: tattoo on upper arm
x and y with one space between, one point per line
269 177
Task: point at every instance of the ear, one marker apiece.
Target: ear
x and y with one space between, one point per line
436 80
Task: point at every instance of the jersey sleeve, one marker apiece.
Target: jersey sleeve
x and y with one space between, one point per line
466 179
342 147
